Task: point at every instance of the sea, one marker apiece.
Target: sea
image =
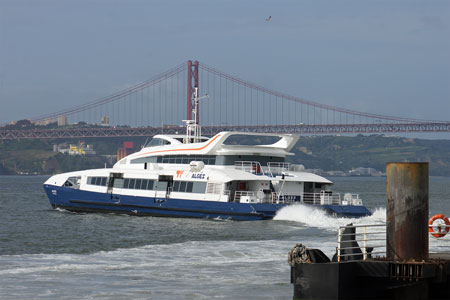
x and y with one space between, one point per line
56 254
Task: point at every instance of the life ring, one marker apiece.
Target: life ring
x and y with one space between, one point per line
441 231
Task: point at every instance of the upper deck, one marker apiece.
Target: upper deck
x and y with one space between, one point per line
173 149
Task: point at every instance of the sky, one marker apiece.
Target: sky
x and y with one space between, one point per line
383 57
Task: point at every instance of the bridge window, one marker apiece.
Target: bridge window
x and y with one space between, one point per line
157 142
73 182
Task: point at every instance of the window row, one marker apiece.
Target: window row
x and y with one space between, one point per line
150 184
189 187
186 159
138 184
102 181
176 159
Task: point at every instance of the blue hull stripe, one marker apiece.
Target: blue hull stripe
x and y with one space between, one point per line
255 214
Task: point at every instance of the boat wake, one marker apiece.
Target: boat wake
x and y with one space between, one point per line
316 217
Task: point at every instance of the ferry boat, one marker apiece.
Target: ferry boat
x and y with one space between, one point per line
194 176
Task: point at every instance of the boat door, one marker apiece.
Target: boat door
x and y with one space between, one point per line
115 181
164 186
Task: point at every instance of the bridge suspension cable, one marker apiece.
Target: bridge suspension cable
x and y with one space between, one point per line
116 96
306 102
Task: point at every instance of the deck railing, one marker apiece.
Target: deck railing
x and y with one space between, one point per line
239 194
253 167
277 168
328 198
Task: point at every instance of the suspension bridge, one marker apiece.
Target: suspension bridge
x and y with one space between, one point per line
159 104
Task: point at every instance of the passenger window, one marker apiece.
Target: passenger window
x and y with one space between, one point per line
103 181
126 182
199 187
138 184
132 182
189 187
150 185
144 184
176 186
182 186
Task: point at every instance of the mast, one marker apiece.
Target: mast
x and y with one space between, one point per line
193 128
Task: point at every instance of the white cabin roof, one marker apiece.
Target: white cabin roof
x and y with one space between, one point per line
216 146
307 177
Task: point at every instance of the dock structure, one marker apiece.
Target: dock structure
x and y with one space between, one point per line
408 271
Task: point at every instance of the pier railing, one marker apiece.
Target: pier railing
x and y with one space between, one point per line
439 238
360 242
369 241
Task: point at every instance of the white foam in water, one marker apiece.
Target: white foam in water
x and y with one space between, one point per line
166 271
315 217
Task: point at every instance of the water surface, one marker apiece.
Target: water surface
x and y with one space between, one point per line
55 254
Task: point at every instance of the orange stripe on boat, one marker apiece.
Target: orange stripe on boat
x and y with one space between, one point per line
193 149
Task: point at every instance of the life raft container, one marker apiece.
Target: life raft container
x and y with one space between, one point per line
441 230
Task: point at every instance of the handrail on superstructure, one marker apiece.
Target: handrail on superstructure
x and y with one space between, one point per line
277 168
253 167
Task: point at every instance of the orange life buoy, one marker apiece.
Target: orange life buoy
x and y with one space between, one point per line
441 231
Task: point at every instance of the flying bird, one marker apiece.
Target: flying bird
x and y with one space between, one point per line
268 19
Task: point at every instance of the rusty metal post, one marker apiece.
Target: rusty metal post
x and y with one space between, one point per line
407 211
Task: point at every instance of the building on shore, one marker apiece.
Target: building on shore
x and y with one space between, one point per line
62 120
127 149
81 149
